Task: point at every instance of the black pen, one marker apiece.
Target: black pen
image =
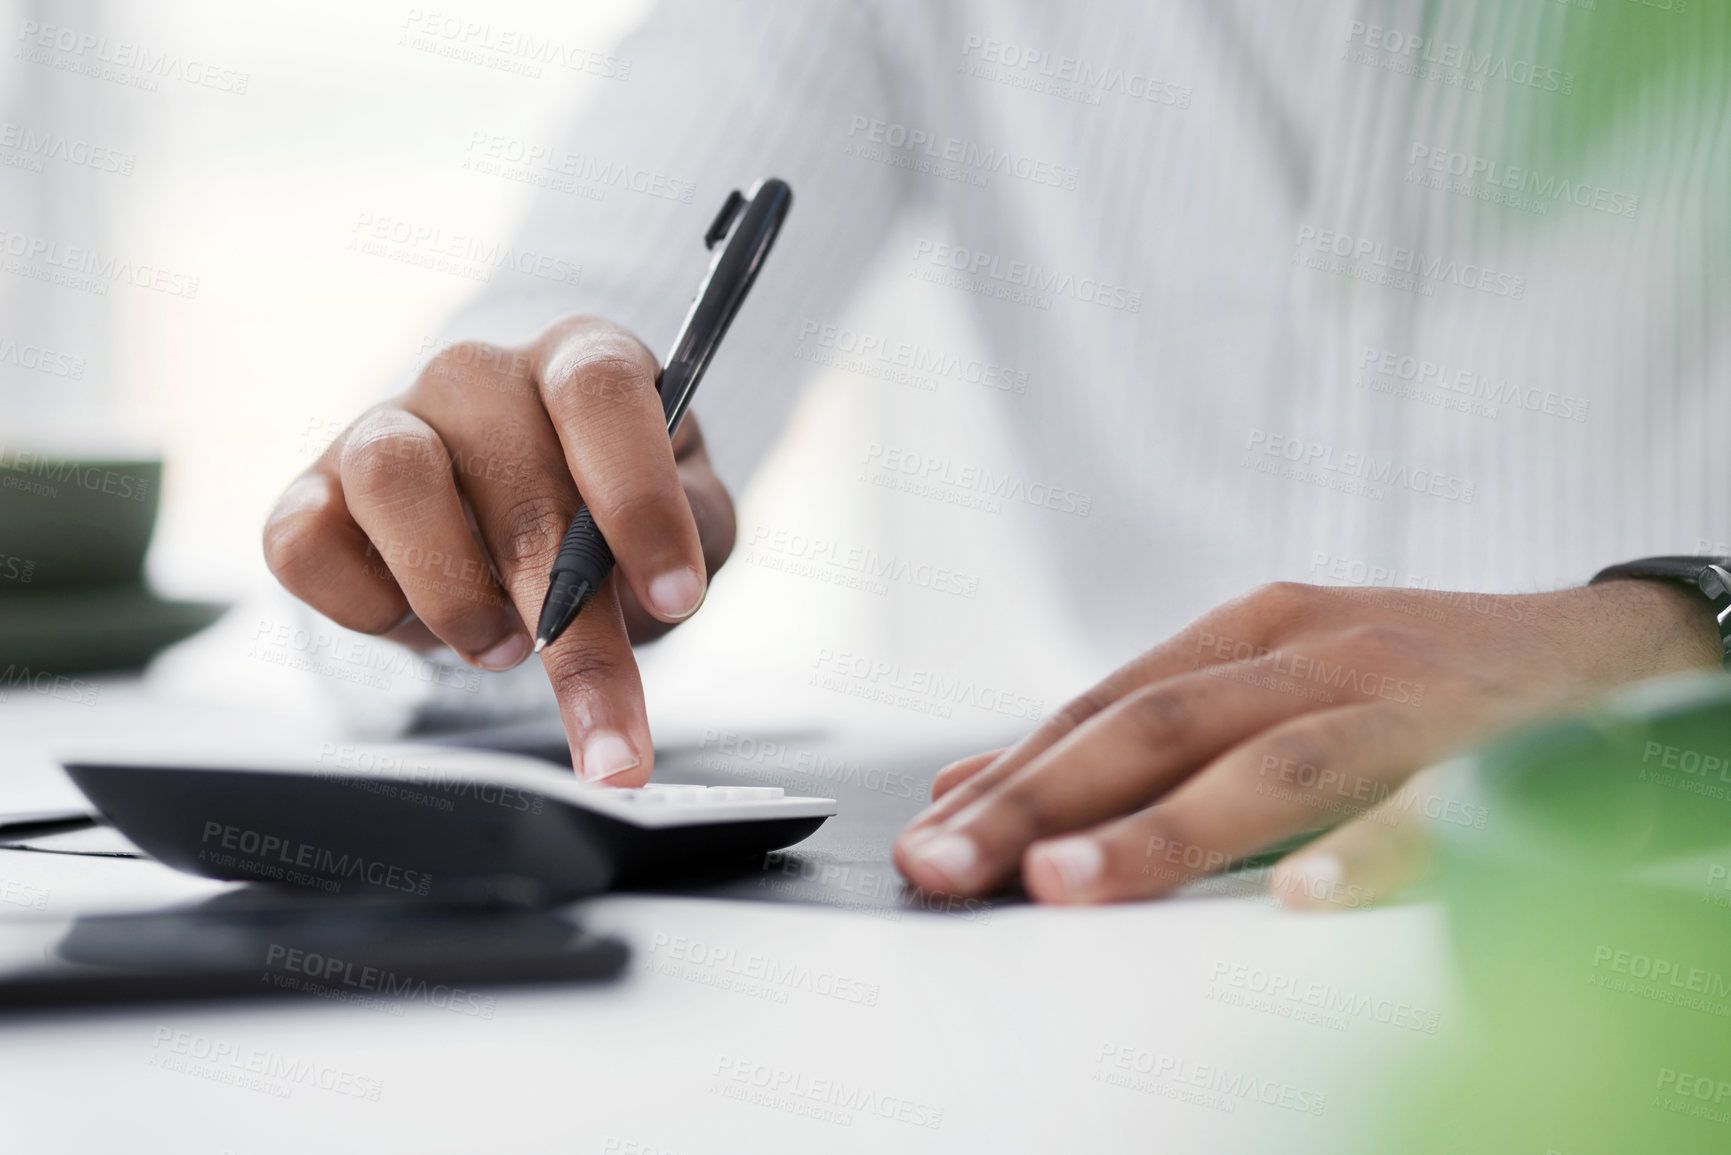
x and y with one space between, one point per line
748 224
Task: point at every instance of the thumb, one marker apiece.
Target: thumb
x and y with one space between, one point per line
1380 853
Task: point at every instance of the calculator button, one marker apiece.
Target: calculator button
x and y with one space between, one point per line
658 795
742 793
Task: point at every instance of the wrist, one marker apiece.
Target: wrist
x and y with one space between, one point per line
1651 626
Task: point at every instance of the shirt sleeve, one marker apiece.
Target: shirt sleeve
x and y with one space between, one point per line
706 96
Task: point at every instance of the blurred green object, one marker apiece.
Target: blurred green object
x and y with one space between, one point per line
1625 52
1615 53
1591 924
1591 918
73 535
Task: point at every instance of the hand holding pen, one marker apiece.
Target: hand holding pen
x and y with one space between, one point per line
512 442
745 228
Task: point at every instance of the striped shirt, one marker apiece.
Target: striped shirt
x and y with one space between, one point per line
1374 292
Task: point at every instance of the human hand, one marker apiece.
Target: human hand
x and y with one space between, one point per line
435 517
1279 713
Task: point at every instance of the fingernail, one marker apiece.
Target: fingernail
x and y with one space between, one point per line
676 594
606 755
1307 881
1077 862
951 855
506 654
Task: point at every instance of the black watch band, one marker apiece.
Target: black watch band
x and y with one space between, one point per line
1710 575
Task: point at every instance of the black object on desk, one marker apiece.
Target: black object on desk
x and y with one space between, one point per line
431 824
255 942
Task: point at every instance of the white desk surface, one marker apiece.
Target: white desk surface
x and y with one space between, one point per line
993 1029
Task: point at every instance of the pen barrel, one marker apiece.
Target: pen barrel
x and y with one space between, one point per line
584 551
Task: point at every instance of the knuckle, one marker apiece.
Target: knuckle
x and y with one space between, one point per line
1157 715
1021 806
1301 755
460 354
608 366
385 451
1322 758
1281 599
466 365
1308 742
581 670
532 528
292 546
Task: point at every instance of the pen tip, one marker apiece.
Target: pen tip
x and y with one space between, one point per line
540 644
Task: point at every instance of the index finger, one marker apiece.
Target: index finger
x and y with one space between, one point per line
1123 758
1247 623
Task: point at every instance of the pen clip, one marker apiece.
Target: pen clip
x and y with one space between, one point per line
724 219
